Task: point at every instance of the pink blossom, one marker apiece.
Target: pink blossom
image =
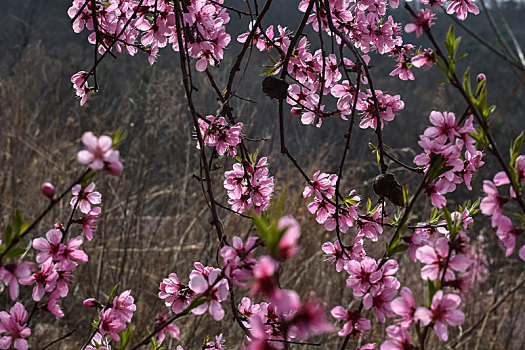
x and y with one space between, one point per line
355 325
89 222
48 190
491 204
238 265
264 276
203 280
461 8
422 22
171 329
14 329
399 339
522 253
310 318
380 299
507 233
124 306
11 274
404 306
288 243
435 258
87 197
443 309
99 343
335 254
99 153
45 280
111 324
218 344
175 294
362 274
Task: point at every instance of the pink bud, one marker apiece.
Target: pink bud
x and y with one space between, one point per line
91 303
481 77
114 168
48 190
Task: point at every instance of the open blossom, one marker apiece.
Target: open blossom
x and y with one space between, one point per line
421 22
113 320
124 306
335 254
172 329
11 274
13 328
435 258
99 153
355 324
310 318
89 222
216 133
399 339
288 243
87 196
443 309
238 264
203 280
362 274
218 344
404 306
99 343
175 294
380 299
45 280
462 8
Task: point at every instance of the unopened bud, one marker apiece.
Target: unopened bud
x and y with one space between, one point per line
91 303
48 190
481 77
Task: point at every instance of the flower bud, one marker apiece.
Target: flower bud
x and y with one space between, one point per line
91 303
481 77
48 190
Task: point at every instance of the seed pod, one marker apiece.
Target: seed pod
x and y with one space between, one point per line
385 185
274 88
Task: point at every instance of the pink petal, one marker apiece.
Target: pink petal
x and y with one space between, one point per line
89 140
84 157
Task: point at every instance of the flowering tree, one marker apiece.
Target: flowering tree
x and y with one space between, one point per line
333 81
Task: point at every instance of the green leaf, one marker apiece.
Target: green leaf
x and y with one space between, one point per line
398 249
463 55
450 41
442 64
118 136
466 82
18 223
88 179
125 336
515 148
112 293
15 253
8 236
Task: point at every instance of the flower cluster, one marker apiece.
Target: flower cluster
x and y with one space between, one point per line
492 205
249 186
114 318
216 133
443 144
131 25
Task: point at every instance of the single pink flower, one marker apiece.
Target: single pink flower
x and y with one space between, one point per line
443 309
14 329
404 306
88 197
11 274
